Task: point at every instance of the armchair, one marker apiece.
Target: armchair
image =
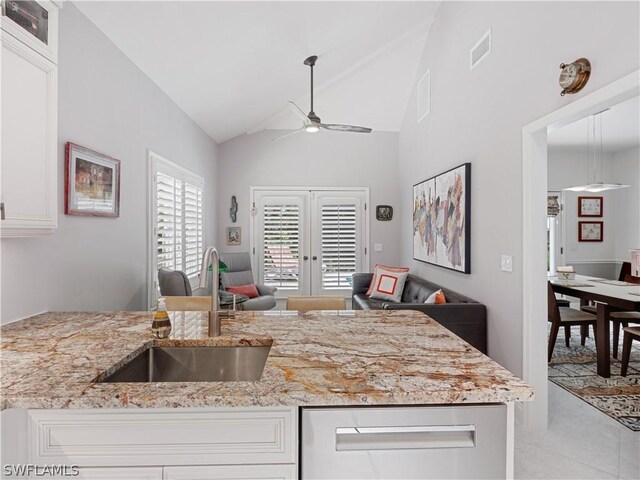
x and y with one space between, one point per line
239 273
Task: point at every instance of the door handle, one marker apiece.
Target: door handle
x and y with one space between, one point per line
405 438
314 257
305 257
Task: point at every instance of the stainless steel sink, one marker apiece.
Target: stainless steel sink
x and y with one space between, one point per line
193 364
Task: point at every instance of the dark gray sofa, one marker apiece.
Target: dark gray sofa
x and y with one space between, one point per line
461 315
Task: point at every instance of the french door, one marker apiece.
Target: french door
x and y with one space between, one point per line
309 242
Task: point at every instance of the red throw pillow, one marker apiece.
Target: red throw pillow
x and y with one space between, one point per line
372 285
250 291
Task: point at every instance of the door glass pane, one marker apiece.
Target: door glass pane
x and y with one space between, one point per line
339 245
281 246
31 16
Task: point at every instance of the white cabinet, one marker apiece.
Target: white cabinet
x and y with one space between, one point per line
28 168
232 472
114 473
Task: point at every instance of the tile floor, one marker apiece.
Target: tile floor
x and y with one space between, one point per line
581 443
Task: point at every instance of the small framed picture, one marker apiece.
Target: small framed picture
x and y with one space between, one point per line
384 213
92 183
590 206
234 235
590 231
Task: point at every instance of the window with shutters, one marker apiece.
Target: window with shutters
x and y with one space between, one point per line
176 220
339 236
281 245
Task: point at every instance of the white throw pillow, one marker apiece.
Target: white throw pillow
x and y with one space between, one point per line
389 285
436 297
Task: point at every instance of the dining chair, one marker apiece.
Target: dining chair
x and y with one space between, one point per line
302 303
630 334
618 318
567 318
173 282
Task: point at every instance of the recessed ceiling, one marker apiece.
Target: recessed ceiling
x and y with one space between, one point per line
620 130
231 66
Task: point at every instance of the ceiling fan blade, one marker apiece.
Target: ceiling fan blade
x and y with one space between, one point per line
300 130
298 111
344 128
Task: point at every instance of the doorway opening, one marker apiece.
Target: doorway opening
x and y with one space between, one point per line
535 187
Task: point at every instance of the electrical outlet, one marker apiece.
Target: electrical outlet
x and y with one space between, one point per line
506 263
377 247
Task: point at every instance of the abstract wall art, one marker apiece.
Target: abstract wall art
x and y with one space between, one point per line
441 219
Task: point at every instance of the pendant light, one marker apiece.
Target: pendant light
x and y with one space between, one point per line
594 155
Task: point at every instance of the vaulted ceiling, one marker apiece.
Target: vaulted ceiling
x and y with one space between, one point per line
231 66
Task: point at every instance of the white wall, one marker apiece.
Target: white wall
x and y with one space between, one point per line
477 116
105 103
323 159
566 169
626 168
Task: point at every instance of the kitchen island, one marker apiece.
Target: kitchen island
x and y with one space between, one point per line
57 410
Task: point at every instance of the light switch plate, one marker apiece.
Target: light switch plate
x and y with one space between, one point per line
377 247
506 263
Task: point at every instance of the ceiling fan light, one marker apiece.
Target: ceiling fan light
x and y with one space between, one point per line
311 128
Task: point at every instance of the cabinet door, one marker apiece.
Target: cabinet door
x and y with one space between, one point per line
34 23
230 472
120 473
29 140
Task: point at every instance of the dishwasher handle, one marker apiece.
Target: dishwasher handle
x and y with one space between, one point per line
405 438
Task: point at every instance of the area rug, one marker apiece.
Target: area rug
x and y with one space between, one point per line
574 369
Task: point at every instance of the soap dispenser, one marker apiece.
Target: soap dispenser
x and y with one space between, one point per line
161 326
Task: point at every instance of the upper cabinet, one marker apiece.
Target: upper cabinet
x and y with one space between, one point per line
29 163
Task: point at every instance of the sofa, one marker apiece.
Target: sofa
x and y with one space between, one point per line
461 315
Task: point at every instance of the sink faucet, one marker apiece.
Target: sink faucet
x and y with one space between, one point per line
211 257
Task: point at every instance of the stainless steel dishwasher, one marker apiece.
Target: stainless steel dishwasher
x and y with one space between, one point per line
432 442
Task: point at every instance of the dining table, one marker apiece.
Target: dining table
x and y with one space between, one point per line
610 296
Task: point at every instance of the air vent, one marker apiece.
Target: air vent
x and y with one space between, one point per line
480 50
424 96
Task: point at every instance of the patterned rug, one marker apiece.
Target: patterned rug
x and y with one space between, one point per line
574 369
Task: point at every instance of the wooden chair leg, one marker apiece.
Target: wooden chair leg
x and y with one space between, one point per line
626 354
567 335
553 335
615 324
584 333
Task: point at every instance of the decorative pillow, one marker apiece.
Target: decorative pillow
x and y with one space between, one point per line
375 274
250 291
436 297
389 285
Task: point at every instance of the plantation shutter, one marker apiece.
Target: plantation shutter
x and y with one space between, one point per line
192 229
169 221
281 245
177 221
338 245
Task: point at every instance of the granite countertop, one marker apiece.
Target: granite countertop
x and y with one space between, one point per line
395 357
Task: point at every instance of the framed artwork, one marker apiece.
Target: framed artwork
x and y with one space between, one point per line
384 213
92 183
590 231
234 235
590 206
441 219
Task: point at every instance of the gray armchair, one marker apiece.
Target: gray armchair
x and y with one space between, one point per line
239 273
173 283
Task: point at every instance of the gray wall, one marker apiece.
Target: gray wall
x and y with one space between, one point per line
325 159
477 116
105 103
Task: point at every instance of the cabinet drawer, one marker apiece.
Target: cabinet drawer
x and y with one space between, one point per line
163 436
232 472
115 473
404 442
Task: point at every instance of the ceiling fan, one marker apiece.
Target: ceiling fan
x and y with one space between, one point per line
311 122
